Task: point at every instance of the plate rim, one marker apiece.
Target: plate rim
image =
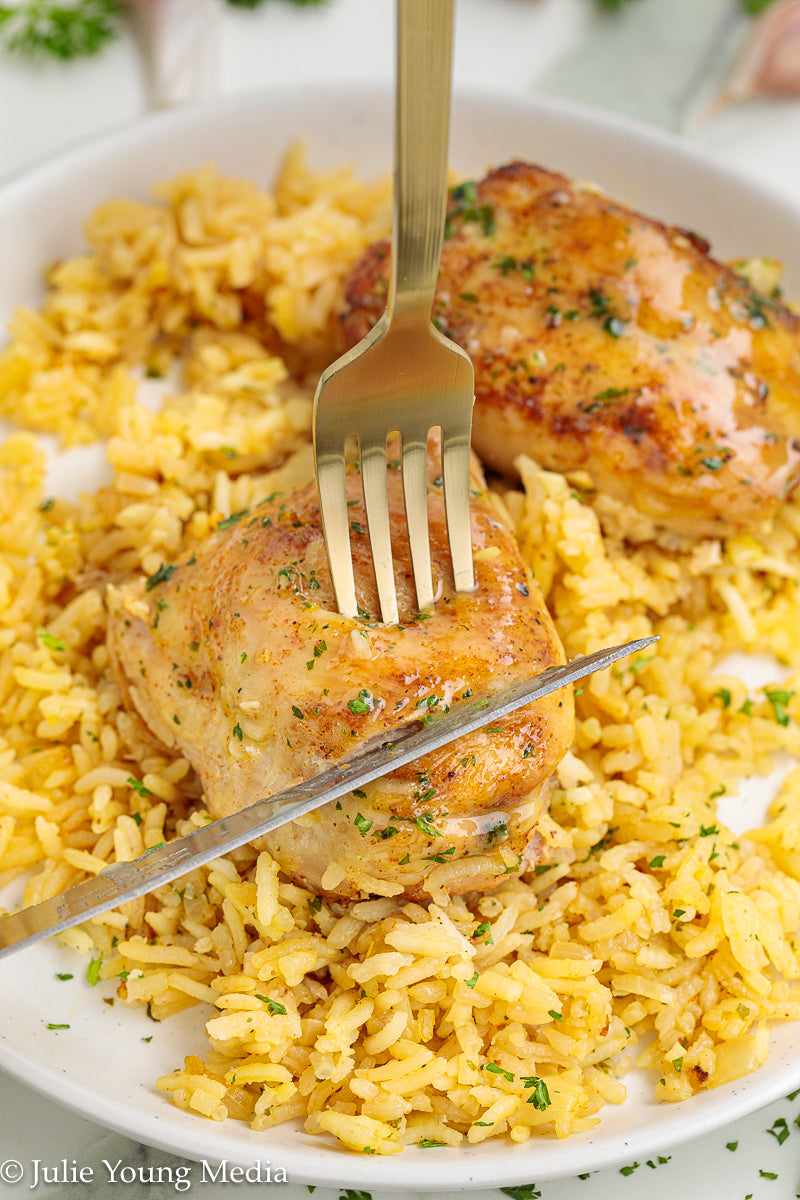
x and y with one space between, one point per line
318 1163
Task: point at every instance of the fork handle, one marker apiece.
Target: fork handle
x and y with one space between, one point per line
422 121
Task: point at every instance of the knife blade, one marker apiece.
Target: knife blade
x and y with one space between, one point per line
161 864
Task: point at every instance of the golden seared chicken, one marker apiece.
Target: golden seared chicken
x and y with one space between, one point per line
237 657
606 342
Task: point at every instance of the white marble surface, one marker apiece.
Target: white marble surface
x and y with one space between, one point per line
660 60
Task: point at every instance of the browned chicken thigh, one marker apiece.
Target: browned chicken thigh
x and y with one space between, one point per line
237 657
610 343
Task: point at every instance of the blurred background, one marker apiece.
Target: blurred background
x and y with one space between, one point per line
724 73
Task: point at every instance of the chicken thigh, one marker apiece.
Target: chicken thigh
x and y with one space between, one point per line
237 657
610 343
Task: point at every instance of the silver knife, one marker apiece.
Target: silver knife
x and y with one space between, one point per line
163 863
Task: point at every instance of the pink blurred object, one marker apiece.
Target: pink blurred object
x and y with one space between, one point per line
769 64
182 40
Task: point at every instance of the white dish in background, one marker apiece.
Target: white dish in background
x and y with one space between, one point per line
102 1066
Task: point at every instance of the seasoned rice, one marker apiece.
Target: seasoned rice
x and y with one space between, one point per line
654 936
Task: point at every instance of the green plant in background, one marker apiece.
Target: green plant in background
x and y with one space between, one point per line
59 30
47 28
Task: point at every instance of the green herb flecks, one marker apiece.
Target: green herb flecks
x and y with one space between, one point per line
495 1069
139 787
164 573
363 703
48 640
779 700
93 970
226 522
277 1010
464 200
523 1191
540 1097
424 823
780 1130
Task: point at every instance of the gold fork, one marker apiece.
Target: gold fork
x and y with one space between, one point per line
404 377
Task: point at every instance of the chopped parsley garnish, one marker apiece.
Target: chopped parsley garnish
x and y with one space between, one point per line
93 970
540 1097
779 1130
162 575
233 518
779 700
442 856
363 702
139 787
424 823
472 980
54 1025
464 198
237 731
611 393
362 824
495 1069
498 832
48 640
274 1007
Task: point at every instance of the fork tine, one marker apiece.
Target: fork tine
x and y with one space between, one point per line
336 529
415 495
455 472
376 502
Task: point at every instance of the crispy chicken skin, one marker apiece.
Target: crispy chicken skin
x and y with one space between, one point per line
607 342
236 657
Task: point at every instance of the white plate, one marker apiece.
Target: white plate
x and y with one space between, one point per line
101 1066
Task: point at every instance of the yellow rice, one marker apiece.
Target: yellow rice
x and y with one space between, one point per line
655 936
